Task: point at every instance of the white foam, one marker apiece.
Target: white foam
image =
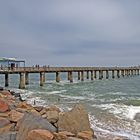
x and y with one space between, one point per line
57 92
121 110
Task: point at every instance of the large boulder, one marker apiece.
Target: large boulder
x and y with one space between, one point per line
137 117
7 128
86 135
8 136
3 106
52 116
3 122
75 120
15 116
39 134
30 122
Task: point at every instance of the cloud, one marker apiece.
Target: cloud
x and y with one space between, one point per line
75 32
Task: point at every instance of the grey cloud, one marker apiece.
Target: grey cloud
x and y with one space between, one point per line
71 32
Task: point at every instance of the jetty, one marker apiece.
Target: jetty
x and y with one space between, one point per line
91 73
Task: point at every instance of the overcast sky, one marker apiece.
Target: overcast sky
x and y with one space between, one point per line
71 32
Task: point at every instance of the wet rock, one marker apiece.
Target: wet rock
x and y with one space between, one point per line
6 128
15 116
86 135
52 116
74 121
3 106
24 105
69 134
38 108
30 122
53 108
59 136
39 134
4 122
137 117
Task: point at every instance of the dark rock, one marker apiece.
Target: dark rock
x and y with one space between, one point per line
30 122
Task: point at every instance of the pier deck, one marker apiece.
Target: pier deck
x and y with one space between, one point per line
95 71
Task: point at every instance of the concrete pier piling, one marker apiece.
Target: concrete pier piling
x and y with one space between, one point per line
87 74
22 81
118 74
82 75
79 76
115 72
71 77
91 75
6 80
27 78
107 74
57 76
41 78
95 74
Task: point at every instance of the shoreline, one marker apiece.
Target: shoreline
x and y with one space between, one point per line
12 96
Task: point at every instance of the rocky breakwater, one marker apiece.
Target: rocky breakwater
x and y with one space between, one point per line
21 121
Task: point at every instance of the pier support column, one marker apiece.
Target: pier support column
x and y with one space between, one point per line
113 74
100 74
44 77
41 78
82 75
91 75
22 81
71 77
79 77
68 77
26 78
107 74
6 80
87 74
138 72
95 74
132 72
57 76
135 72
118 73
122 73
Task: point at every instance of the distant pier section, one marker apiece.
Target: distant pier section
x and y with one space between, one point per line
91 73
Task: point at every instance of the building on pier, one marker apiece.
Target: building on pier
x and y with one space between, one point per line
11 63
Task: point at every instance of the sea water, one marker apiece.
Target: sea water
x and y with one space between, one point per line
112 103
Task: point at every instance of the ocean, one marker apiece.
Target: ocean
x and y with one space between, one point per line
111 103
